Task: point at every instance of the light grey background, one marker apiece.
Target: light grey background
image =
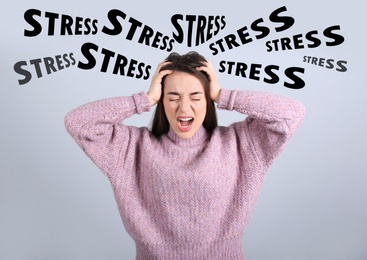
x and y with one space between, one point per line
55 204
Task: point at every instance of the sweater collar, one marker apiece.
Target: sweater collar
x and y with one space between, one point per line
198 138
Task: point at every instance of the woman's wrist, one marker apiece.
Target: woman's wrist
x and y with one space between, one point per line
216 99
151 99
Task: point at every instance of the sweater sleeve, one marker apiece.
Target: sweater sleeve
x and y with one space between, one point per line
97 128
271 122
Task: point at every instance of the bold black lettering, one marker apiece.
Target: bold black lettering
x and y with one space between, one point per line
316 41
338 39
147 71
112 17
66 23
241 69
88 29
330 64
73 61
222 67
243 36
321 62
132 67
146 34
180 34
275 42
106 60
36 63
341 66
268 45
230 66
220 43
134 25
85 49
213 49
140 71
171 42
223 22
157 39
49 64
285 43
209 34
95 27
286 20
37 27
200 32
66 59
263 29
191 19
298 83
254 71
121 62
59 63
78 25
297 40
217 25
51 22
231 41
273 77
164 41
18 69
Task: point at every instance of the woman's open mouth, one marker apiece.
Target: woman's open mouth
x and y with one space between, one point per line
185 123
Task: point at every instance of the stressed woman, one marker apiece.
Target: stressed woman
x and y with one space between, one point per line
186 188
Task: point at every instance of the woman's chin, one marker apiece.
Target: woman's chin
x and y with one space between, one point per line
185 132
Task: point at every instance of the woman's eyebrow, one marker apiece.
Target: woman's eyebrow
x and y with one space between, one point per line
191 94
196 93
173 93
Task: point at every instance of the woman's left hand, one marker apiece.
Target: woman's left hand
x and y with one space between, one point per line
213 79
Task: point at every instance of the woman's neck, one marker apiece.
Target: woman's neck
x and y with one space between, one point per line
198 138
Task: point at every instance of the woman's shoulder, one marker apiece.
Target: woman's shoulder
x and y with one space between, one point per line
235 132
231 129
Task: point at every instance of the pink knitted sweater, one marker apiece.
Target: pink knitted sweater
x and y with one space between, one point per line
186 198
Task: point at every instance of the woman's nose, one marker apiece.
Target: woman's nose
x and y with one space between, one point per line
185 105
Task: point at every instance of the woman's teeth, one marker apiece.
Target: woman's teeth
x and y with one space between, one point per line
186 121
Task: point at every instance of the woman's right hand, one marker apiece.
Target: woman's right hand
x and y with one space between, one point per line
155 89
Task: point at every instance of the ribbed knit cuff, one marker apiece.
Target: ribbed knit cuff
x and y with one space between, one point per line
226 99
216 250
142 102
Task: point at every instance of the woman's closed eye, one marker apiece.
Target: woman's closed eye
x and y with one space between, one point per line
196 96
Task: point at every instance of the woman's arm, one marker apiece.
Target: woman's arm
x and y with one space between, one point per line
97 126
272 119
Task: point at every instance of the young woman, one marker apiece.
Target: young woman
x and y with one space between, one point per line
186 188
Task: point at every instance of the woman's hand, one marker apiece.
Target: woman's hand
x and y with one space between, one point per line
155 89
213 79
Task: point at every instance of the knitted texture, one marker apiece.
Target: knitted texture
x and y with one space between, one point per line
186 198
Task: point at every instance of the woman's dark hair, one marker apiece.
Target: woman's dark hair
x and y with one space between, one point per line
185 63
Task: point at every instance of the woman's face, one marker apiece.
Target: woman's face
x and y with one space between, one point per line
184 103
